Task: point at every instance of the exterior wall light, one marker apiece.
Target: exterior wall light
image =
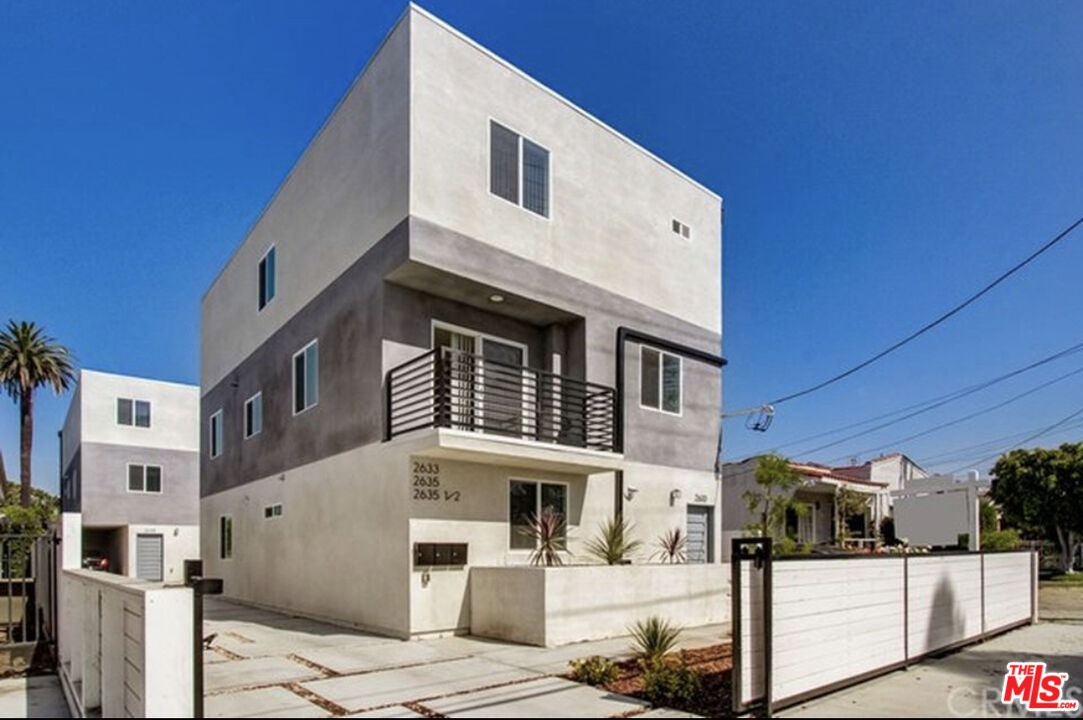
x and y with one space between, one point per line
496 298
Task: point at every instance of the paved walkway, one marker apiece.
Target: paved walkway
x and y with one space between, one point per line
964 684
265 664
39 696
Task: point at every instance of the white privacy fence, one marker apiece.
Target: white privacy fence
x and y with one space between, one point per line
125 646
806 626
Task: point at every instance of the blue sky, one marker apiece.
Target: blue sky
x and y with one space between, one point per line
879 162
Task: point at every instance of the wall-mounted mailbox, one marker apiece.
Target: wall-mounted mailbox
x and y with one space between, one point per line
439 554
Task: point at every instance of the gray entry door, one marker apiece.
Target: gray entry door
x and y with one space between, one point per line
700 547
148 557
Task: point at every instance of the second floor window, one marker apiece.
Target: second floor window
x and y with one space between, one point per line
518 169
144 478
253 415
267 278
306 377
214 434
660 382
133 412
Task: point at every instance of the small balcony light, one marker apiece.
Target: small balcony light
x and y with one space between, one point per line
496 298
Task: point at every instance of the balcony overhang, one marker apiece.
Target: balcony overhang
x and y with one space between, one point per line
489 449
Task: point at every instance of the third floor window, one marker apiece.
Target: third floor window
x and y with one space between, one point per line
267 278
518 169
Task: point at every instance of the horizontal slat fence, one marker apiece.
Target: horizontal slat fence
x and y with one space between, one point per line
835 621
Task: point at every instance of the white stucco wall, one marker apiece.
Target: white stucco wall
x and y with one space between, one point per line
612 203
174 419
557 606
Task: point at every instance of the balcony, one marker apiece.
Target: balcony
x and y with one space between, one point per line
519 409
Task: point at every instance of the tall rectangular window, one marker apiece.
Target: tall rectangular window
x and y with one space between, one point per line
214 433
225 537
253 415
267 278
124 411
142 413
527 500
660 381
535 178
306 377
518 169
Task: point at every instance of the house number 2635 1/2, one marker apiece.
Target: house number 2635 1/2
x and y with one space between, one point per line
426 483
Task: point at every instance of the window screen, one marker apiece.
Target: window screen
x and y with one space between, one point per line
648 378
535 178
503 162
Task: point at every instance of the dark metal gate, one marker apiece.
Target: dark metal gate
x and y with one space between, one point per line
19 621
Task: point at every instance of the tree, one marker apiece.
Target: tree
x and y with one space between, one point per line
1040 492
29 359
776 481
849 503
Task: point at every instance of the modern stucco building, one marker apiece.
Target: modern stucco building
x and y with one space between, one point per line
129 486
470 300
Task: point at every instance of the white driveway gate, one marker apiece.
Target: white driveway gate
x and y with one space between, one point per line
806 626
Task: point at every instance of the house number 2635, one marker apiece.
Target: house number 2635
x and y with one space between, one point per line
426 483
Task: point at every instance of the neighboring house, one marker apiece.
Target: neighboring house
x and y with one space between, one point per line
935 511
129 486
822 524
895 470
469 301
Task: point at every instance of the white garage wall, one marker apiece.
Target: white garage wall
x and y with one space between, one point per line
837 619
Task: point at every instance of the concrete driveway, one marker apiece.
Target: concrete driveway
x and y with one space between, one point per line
265 664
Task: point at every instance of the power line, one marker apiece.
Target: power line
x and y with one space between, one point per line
952 397
965 452
1035 436
966 417
940 400
929 326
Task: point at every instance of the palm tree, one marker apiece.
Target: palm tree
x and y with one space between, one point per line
30 359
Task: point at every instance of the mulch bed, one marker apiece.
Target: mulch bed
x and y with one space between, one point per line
716 664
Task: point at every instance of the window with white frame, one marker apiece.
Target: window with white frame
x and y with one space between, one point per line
253 415
214 434
267 278
272 511
660 381
681 229
144 478
225 537
518 169
133 412
527 500
306 377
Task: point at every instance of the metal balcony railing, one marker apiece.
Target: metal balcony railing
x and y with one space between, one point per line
453 389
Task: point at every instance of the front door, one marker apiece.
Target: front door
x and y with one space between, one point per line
700 546
502 387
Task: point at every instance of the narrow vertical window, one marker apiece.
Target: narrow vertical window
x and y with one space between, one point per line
225 537
253 415
648 377
153 479
142 413
215 434
535 178
671 383
503 163
124 411
306 377
267 278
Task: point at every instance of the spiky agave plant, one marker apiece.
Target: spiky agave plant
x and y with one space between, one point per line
548 532
671 546
613 544
654 637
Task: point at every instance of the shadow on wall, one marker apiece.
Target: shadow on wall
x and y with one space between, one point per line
947 621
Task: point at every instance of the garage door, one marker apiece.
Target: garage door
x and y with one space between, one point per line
148 557
700 534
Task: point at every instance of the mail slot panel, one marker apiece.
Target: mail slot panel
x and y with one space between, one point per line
439 554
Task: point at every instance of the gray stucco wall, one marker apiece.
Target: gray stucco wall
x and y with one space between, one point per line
105 499
361 313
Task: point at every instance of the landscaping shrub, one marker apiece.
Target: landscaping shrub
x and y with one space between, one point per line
654 637
669 684
613 544
790 546
1001 540
671 546
594 670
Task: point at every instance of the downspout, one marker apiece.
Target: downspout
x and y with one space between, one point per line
624 335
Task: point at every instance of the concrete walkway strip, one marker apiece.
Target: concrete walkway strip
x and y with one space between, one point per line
38 696
395 711
545 697
417 683
364 658
254 673
268 702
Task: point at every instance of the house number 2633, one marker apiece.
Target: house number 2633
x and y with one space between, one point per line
426 483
